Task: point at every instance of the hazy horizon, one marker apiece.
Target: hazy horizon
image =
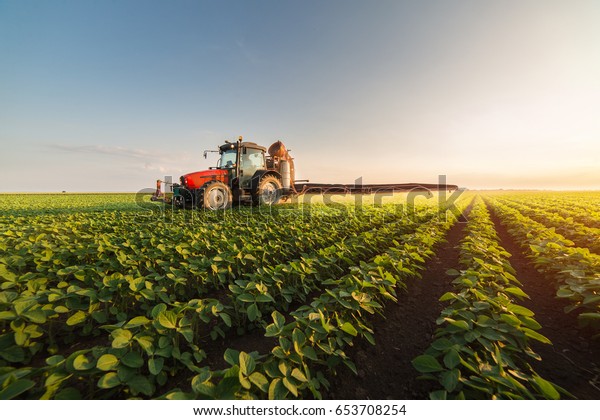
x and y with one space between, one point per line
110 96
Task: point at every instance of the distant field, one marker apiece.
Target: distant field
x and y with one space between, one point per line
111 296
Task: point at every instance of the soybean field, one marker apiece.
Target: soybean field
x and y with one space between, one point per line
107 296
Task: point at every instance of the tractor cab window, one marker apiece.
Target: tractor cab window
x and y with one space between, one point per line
252 161
228 159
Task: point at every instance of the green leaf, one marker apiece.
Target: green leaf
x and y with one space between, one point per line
7 316
244 381
546 388
137 284
155 365
460 324
278 319
298 337
121 338
68 393
448 296
145 342
231 356
13 354
451 359
349 329
161 307
7 275
277 390
83 362
109 380
140 385
510 320
99 317
272 331
519 310
438 395
426 364
290 386
565 292
187 333
441 344
284 368
536 336
178 395
107 362
309 353
136 322
16 388
61 309
77 318
253 312
516 292
537 249
449 379
54 360
56 378
264 298
247 363
260 381
168 319
226 318
297 373
37 315
246 297
591 299
133 360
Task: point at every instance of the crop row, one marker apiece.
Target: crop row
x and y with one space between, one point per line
575 270
113 253
482 347
141 352
313 341
42 313
582 209
18 205
583 236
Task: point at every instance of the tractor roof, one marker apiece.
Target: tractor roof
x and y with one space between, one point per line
229 146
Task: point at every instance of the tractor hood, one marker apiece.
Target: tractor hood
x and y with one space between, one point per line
196 180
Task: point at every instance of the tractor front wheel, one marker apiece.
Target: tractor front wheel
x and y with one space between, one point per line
268 191
215 195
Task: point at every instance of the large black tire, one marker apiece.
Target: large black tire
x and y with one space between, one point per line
268 192
214 195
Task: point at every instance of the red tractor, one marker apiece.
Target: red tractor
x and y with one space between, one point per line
244 173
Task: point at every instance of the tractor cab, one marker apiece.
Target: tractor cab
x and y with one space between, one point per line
242 160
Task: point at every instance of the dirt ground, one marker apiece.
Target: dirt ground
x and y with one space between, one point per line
573 359
385 370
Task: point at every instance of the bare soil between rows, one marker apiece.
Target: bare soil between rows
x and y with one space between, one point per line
407 328
573 360
385 370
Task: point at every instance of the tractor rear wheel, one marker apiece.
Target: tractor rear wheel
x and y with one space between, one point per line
268 191
215 195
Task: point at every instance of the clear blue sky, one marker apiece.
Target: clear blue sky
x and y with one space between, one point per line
111 95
